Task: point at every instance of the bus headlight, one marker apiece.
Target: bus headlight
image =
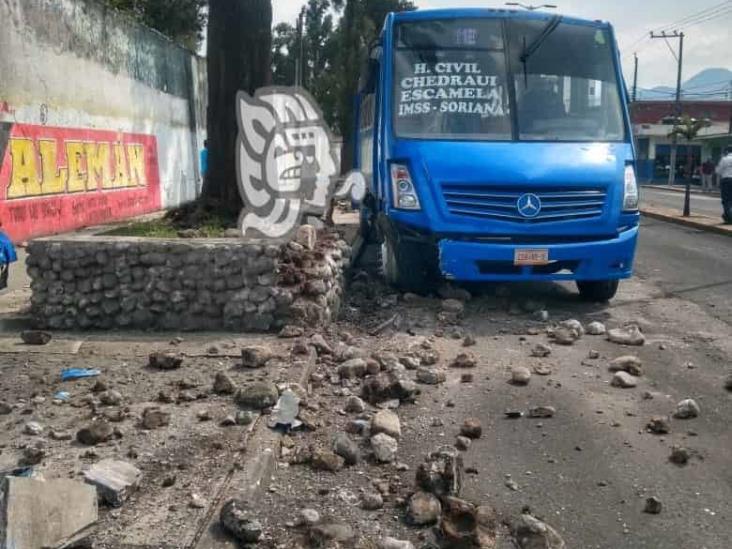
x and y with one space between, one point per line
630 190
403 191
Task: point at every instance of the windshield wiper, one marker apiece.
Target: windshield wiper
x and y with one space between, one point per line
537 42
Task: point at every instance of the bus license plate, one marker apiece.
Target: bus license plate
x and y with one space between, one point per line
531 257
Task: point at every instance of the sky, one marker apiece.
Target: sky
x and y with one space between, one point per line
707 25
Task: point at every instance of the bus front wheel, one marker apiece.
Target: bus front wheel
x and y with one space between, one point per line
403 266
597 291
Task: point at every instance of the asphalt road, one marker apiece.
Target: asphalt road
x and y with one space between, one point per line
704 204
688 263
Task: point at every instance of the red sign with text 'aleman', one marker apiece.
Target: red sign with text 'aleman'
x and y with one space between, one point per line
59 179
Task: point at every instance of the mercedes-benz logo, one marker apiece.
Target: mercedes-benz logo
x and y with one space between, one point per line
528 205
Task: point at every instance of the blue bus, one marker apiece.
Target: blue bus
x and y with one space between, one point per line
497 146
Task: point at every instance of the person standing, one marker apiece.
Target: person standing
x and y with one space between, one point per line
724 171
707 173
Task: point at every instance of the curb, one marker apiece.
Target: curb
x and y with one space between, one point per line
250 477
677 220
694 191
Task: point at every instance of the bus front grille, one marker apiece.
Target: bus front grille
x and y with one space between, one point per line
502 203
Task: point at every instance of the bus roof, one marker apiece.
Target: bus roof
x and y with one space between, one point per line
451 13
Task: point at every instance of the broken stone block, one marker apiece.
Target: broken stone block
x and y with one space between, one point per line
306 236
629 363
384 447
430 376
471 428
51 513
626 336
464 524
114 479
686 409
386 421
541 350
324 460
623 380
236 520
387 386
441 472
94 433
520 375
35 337
353 368
258 395
255 356
464 360
164 361
155 417
223 384
423 509
596 328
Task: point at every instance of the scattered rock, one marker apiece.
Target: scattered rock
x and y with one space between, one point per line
542 370
511 485
35 337
575 326
466 377
687 409
465 525
659 425
653 506
307 236
596 328
441 472
564 336
236 521
346 448
428 356
33 428
353 368
291 331
469 341
462 443
430 376
453 306
111 398
464 360
384 447
257 395
387 386
203 415
61 435
307 517
531 533
541 350
164 361
520 375
593 354
115 480
626 336
371 501
94 433
324 460
454 292
329 530
728 383
423 509
386 421
32 455
255 356
321 345
245 417
628 363
471 428
679 455
355 405
410 362
223 384
5 408
542 411
623 380
393 543
155 417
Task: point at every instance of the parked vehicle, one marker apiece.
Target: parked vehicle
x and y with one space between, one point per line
497 147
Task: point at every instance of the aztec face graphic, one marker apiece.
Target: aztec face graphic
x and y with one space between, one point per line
286 165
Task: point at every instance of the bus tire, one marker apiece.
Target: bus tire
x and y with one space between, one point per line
404 266
597 291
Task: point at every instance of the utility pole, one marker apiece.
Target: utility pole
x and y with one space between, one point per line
635 77
299 61
677 114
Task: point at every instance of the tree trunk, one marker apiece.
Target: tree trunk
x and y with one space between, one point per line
239 58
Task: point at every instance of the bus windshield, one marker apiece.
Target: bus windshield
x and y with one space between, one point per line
461 79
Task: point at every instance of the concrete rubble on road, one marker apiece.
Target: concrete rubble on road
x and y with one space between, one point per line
46 513
114 480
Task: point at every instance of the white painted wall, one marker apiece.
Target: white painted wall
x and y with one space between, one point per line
51 74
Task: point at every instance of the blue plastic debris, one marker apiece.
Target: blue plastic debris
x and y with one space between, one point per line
62 395
78 373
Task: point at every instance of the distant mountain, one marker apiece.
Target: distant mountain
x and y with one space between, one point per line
708 85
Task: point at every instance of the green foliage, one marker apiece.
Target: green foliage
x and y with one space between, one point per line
180 20
688 128
333 52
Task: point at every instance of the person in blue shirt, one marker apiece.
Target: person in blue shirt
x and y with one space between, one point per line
203 157
7 256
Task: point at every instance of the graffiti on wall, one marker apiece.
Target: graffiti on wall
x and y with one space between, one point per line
56 179
286 165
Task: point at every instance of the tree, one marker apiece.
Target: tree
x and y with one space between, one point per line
180 20
688 128
239 58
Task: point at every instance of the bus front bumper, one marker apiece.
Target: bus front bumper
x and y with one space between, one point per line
594 260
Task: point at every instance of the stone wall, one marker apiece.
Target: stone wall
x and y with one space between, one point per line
84 282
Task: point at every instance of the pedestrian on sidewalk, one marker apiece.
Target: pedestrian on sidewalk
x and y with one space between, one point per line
707 173
724 171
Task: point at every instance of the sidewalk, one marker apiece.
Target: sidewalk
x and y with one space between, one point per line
681 189
701 222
